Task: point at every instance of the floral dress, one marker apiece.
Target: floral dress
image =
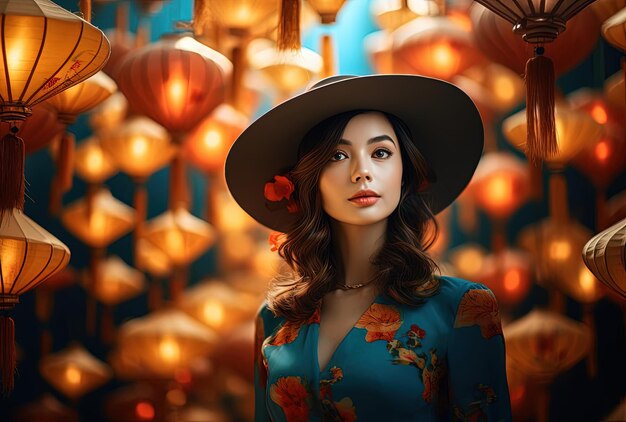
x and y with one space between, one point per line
443 360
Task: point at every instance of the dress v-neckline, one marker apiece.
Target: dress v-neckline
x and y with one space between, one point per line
317 337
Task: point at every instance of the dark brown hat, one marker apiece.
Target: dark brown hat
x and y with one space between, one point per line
444 122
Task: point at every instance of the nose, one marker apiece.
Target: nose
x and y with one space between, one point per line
361 172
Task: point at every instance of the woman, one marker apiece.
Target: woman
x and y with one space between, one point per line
352 172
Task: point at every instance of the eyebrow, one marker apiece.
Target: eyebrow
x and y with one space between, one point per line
370 141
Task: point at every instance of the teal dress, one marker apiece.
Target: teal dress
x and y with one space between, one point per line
443 360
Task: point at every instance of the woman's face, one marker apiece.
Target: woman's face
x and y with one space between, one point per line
361 183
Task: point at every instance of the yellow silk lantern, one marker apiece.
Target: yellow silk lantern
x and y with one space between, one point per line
208 144
46 49
501 184
468 260
434 46
218 305
327 9
110 114
391 14
162 343
117 282
504 87
107 220
237 15
575 130
289 71
74 371
28 255
604 256
180 235
92 163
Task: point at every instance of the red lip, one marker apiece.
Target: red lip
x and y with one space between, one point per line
364 194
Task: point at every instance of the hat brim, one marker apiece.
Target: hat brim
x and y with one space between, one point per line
445 125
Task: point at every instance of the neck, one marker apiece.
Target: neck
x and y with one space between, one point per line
355 246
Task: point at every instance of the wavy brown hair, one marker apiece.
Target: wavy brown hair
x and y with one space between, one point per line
307 246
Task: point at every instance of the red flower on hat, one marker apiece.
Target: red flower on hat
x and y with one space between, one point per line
275 240
281 188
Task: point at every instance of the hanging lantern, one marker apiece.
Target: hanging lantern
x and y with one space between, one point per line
237 15
139 146
218 305
117 283
468 260
327 9
176 81
501 184
392 14
92 163
208 144
40 128
162 343
152 259
505 89
180 235
575 130
60 51
604 256
74 371
106 221
289 71
604 9
109 115
28 255
544 344
507 273
45 409
434 46
538 23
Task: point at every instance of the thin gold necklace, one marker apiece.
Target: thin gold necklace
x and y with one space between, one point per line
344 286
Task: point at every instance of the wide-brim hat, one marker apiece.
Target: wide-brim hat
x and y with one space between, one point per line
444 122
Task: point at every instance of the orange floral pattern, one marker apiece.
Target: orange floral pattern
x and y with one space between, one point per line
380 321
335 411
293 397
479 307
289 330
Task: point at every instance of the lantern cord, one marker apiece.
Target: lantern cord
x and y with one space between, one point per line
540 116
328 56
289 25
155 295
7 354
11 173
62 181
85 8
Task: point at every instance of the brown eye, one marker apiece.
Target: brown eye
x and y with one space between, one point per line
382 153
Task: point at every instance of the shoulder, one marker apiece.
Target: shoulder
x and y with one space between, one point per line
266 319
456 293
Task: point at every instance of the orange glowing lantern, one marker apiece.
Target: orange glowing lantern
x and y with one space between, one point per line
218 305
107 220
60 50
229 216
208 144
544 344
176 81
163 343
434 46
508 275
139 146
604 256
468 260
613 30
28 256
391 14
501 184
137 402
505 88
289 71
117 282
92 163
74 371
237 249
237 15
536 23
110 114
575 130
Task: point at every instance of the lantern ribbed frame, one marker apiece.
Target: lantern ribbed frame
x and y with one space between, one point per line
605 256
28 256
63 50
176 81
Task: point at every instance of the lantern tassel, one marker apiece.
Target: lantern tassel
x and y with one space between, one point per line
540 120
289 25
11 173
7 354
